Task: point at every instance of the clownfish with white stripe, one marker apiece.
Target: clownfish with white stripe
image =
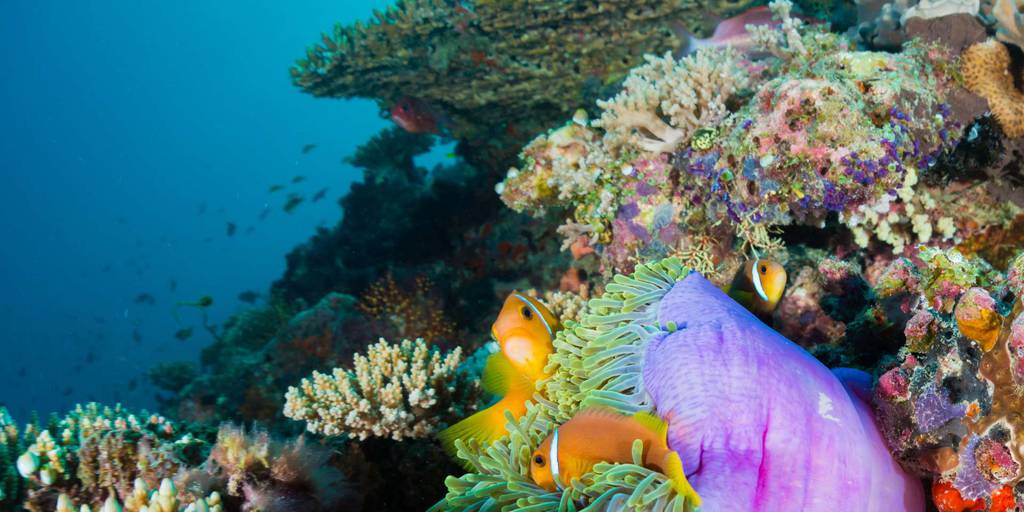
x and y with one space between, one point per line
596 435
524 329
759 285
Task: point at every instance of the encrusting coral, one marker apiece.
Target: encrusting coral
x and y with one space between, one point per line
395 390
826 129
949 409
664 339
985 69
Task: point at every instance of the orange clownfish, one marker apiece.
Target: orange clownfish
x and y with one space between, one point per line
595 435
758 286
524 330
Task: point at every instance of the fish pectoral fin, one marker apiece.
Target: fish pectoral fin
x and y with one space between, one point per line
498 374
673 467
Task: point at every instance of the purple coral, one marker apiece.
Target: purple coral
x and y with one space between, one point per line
932 409
969 480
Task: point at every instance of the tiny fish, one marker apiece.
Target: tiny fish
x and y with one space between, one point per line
145 298
595 435
298 179
248 296
275 188
183 334
231 229
413 116
294 200
136 335
202 208
320 194
308 148
733 31
172 285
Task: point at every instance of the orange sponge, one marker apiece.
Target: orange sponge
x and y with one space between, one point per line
984 66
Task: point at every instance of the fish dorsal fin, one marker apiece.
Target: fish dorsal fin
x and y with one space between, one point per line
599 412
652 422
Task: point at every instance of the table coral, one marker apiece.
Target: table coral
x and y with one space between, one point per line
485 64
394 390
665 339
826 129
950 409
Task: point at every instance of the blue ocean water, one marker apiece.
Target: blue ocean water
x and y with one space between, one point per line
132 134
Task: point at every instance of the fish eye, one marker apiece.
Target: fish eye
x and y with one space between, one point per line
527 314
538 460
764 268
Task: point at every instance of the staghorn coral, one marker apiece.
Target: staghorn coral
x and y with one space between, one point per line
397 391
95 450
948 410
486 66
985 70
826 129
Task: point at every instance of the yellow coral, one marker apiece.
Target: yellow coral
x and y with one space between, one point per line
393 391
985 68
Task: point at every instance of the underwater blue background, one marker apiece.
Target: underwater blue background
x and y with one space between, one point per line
120 121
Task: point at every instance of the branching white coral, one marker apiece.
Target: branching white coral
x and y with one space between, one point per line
664 101
392 391
784 42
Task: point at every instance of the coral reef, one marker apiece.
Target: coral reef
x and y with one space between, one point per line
948 408
496 70
14 442
96 452
395 391
826 129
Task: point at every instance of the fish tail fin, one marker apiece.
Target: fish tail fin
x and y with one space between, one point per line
674 470
484 426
